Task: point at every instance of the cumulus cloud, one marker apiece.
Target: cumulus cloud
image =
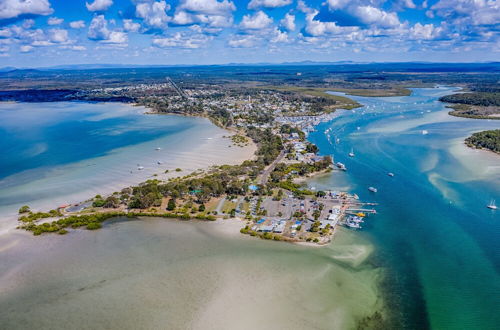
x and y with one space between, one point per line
58 36
316 28
288 22
182 40
279 36
77 24
425 32
98 29
374 16
257 21
255 4
211 13
16 8
55 21
475 12
116 37
360 13
99 5
131 26
153 13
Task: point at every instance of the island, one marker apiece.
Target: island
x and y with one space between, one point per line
489 140
478 105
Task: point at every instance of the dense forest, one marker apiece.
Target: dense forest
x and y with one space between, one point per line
478 98
487 139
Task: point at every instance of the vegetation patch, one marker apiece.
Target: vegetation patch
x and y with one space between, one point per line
489 140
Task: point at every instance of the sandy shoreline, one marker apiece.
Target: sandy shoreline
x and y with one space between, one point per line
118 169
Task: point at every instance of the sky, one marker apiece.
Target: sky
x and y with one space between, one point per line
39 33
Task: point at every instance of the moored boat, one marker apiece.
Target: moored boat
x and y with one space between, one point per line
492 205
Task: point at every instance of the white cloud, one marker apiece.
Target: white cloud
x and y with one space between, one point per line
25 48
182 40
207 7
58 36
317 28
367 12
288 22
254 4
211 13
28 23
374 16
408 4
116 37
98 29
131 26
243 42
77 24
76 47
475 12
55 21
425 32
99 5
279 36
257 21
15 8
153 13
5 33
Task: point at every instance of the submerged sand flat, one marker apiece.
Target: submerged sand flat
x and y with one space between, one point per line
157 273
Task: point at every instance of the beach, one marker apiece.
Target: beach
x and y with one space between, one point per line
102 167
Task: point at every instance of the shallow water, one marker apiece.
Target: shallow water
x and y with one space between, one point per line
64 152
436 247
433 232
157 273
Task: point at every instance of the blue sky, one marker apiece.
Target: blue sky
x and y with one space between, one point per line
36 33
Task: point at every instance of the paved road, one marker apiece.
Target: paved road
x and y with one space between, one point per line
270 168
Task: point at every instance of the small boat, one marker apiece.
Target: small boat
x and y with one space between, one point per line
158 148
159 162
140 168
358 128
390 174
341 166
425 132
351 154
492 205
373 189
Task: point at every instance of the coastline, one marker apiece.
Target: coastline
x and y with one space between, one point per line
206 151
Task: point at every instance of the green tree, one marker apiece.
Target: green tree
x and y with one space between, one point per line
24 209
171 204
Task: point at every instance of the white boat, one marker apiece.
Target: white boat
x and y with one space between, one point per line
390 174
351 154
424 132
158 148
159 162
373 189
341 166
140 168
492 205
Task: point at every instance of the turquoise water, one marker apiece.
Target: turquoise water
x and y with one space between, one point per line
62 152
433 232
